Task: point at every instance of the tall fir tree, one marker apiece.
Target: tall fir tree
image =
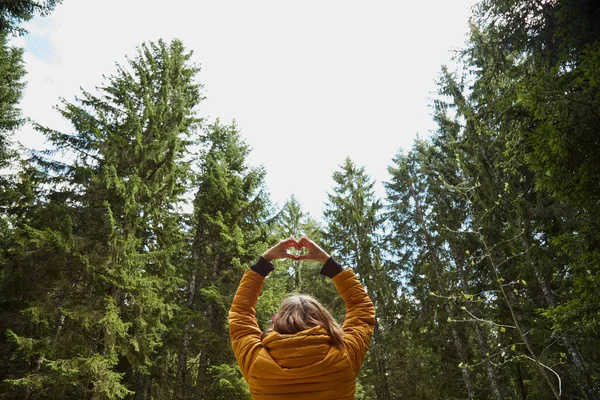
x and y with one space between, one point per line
231 211
353 231
102 243
12 73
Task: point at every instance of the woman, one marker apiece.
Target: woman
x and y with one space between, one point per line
304 354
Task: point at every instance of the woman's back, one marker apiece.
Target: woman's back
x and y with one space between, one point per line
305 364
298 365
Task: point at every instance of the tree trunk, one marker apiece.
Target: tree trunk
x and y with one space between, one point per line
479 335
511 301
144 392
520 383
464 369
550 300
431 249
202 384
100 349
181 377
202 377
489 367
382 390
297 269
484 350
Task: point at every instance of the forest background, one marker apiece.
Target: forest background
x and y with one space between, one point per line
123 242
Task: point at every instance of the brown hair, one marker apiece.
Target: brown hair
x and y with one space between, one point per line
300 312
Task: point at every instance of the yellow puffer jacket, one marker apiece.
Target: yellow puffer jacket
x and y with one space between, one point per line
303 365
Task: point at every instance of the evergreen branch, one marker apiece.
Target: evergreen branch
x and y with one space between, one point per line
583 103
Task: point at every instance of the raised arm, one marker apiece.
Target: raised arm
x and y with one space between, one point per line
360 315
244 331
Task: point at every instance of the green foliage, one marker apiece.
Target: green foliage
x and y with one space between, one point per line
228 223
493 216
229 383
12 72
14 12
482 260
107 233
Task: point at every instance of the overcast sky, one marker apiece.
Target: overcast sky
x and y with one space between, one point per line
308 83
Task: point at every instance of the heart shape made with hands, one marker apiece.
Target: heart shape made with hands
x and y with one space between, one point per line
280 250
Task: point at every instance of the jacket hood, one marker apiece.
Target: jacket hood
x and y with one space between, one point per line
300 349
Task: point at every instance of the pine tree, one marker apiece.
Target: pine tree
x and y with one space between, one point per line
12 72
419 215
102 242
231 210
353 231
531 105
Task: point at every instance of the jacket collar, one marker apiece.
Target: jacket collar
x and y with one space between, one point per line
298 349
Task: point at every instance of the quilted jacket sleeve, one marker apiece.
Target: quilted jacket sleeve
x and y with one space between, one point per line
360 316
244 330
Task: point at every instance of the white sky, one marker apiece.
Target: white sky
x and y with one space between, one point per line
308 83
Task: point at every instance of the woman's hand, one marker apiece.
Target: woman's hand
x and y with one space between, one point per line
314 251
280 250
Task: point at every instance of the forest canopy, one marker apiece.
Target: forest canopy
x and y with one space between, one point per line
118 263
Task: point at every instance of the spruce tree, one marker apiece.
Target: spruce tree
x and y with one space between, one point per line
105 236
229 228
12 73
353 231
